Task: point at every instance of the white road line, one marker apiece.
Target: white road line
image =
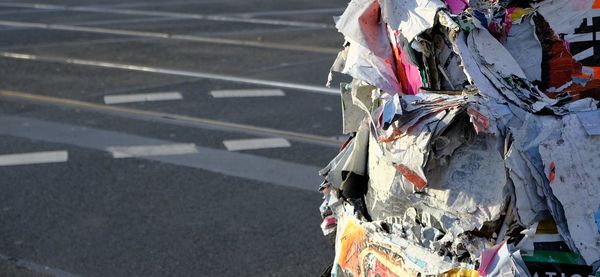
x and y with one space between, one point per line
167 14
290 12
141 97
246 93
243 165
249 144
74 43
119 21
202 75
119 152
168 36
64 27
146 4
229 33
34 158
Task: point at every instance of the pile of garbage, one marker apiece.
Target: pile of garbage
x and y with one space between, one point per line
474 145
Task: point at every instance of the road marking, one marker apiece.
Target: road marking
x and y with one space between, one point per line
290 12
273 31
158 35
64 27
167 118
146 4
203 75
154 86
34 158
252 144
141 97
36 267
118 21
273 171
246 93
73 43
167 14
120 152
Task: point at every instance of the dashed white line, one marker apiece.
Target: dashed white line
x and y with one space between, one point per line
246 93
236 164
141 97
34 158
253 144
152 4
119 152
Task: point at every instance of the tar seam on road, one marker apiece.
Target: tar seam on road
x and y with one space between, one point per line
174 119
158 35
36 267
167 14
141 68
268 170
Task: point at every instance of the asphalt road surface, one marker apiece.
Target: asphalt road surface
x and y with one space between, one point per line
165 138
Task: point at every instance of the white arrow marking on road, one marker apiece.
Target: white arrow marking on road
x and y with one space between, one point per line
119 152
34 158
142 97
246 93
249 144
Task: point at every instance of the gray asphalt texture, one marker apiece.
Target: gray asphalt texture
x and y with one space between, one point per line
95 215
